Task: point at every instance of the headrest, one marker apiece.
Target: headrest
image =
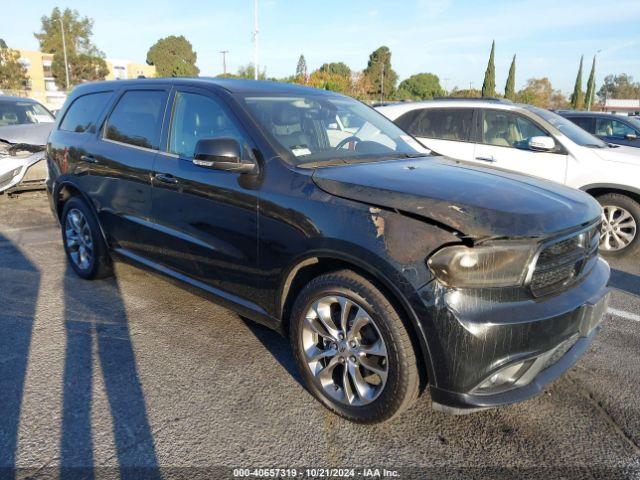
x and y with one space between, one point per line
285 114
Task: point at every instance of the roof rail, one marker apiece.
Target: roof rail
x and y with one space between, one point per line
475 99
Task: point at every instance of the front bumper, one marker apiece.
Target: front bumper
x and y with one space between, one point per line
24 173
473 335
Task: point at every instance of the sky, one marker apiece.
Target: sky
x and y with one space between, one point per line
450 38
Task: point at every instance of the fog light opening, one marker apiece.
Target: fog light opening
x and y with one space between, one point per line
505 378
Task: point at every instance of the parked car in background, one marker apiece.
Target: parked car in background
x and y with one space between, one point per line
538 142
22 111
24 127
388 269
616 129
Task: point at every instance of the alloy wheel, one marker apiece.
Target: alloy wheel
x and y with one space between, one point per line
78 239
618 228
345 351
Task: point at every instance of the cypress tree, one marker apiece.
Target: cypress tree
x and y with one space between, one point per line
489 84
591 86
510 88
577 98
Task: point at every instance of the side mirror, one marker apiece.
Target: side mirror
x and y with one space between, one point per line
631 136
542 144
221 154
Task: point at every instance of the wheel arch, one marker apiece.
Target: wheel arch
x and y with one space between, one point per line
597 189
319 263
68 189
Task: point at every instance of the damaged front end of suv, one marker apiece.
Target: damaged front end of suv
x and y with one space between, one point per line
22 153
517 292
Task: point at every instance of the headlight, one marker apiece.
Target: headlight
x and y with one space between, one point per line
497 264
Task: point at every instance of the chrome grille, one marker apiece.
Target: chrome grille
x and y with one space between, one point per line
560 263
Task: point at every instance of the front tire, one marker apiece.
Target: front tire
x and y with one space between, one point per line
620 222
352 348
84 245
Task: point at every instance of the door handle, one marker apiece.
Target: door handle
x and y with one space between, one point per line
486 159
166 178
89 158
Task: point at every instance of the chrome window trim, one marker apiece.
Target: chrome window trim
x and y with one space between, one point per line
137 147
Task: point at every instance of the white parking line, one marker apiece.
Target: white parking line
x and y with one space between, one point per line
623 314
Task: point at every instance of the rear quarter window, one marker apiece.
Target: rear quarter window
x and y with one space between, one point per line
82 114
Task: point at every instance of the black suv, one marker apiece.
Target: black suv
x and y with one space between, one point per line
311 213
616 129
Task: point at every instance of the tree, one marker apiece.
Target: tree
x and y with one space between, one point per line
77 34
591 86
489 84
420 86
247 71
301 70
82 68
510 87
577 97
3 44
380 76
13 75
336 68
465 93
540 92
173 57
330 81
619 86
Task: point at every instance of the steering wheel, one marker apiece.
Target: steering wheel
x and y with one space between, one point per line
344 141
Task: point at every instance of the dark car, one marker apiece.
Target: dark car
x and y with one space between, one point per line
616 129
388 268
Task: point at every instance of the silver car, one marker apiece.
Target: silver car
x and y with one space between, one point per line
24 128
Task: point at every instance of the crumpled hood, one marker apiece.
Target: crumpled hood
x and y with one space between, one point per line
621 153
30 134
476 201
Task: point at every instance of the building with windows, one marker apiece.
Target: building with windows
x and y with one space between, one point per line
123 69
41 85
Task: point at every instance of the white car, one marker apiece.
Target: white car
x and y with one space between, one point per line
537 142
24 129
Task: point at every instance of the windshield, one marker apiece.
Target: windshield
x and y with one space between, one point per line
23 112
570 129
635 121
319 128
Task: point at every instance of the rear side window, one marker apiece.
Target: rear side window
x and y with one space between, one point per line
443 124
584 123
83 112
137 118
406 120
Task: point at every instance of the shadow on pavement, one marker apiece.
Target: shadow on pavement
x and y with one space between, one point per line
627 282
278 346
96 321
19 284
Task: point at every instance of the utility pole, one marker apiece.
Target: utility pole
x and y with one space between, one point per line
224 61
255 39
64 51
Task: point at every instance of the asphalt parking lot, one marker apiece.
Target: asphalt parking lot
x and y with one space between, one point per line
137 372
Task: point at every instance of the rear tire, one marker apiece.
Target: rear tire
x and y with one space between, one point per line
84 245
374 374
620 224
